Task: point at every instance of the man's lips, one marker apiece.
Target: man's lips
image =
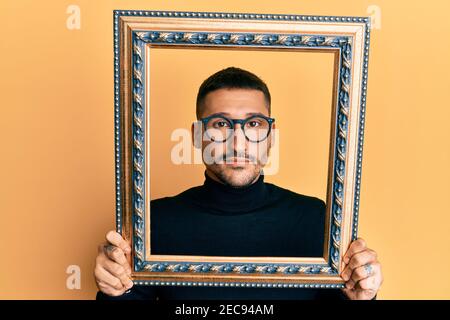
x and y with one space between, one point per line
237 161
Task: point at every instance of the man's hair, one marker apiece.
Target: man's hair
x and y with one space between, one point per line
231 78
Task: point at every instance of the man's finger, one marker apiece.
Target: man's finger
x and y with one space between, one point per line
350 284
116 254
364 272
119 272
116 239
359 259
355 247
362 258
369 283
105 277
101 247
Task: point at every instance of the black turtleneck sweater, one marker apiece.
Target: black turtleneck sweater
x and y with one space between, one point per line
216 219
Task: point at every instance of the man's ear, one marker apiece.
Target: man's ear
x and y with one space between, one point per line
196 134
272 136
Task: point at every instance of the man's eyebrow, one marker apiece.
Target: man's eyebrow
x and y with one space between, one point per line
228 114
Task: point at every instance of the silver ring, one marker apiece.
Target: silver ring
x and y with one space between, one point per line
109 247
369 269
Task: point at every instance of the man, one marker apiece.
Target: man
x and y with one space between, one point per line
235 213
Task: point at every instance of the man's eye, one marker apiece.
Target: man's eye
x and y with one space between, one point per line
253 124
221 124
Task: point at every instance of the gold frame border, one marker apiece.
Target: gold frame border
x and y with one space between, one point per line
355 30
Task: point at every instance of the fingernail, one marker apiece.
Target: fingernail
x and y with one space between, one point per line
128 250
130 284
349 285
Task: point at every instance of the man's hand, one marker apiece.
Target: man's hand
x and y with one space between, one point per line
362 272
112 265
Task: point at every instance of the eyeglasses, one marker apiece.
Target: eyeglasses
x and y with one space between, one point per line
219 128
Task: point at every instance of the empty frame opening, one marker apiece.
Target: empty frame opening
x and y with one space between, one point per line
301 85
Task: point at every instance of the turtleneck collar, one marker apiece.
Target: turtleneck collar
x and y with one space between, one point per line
229 200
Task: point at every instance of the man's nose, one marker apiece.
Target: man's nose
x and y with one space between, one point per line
238 139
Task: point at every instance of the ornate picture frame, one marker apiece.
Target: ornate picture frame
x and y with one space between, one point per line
135 34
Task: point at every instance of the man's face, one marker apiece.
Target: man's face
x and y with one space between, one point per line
237 161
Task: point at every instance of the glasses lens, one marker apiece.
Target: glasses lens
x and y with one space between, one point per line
218 129
256 129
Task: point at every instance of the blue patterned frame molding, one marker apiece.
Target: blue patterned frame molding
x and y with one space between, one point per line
140 39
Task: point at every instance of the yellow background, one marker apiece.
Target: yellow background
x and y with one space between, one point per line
56 132
301 107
